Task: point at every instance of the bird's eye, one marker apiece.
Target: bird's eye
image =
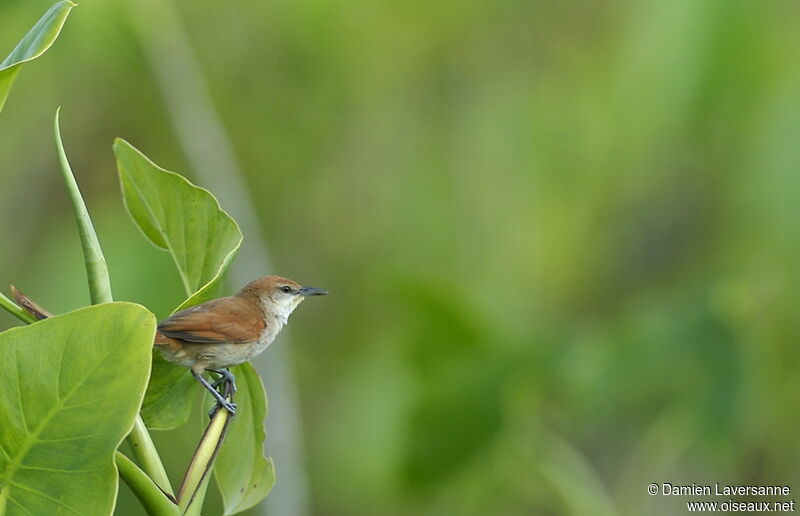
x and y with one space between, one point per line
286 289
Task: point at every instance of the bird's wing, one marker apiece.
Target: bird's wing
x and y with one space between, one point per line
228 319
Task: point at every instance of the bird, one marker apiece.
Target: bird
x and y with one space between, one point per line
228 331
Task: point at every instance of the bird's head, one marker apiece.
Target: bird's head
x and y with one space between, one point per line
279 296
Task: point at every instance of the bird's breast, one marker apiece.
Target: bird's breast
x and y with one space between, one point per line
264 339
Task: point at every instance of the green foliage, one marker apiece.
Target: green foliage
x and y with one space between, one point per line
72 386
606 192
96 268
100 292
152 498
244 476
186 221
181 218
170 395
17 311
76 382
32 45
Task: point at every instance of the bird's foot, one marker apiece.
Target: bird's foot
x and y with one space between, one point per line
225 377
227 405
222 402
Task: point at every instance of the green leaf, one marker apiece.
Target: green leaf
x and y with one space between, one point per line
163 408
34 44
181 218
96 268
244 476
72 386
202 239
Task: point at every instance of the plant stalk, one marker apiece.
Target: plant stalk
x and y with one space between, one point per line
192 491
12 308
196 504
153 499
146 455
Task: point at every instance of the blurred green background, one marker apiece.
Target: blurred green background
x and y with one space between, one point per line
561 238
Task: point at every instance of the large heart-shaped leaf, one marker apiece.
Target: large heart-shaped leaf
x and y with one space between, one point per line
181 218
33 44
244 476
72 386
202 239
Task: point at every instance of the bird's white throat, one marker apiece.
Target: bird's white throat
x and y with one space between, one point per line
282 310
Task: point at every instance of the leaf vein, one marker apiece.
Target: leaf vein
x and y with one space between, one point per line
56 470
33 437
160 227
45 496
19 395
20 505
67 439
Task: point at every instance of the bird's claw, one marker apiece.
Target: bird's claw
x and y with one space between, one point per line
227 405
222 380
225 376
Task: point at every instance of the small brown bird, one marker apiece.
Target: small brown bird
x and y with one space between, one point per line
230 330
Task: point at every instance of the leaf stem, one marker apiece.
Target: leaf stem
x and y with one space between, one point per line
96 268
195 481
146 455
196 503
12 308
154 500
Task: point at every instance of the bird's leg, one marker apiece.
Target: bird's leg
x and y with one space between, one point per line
228 381
216 383
221 402
225 376
227 391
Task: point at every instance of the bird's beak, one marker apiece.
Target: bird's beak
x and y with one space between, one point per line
312 291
